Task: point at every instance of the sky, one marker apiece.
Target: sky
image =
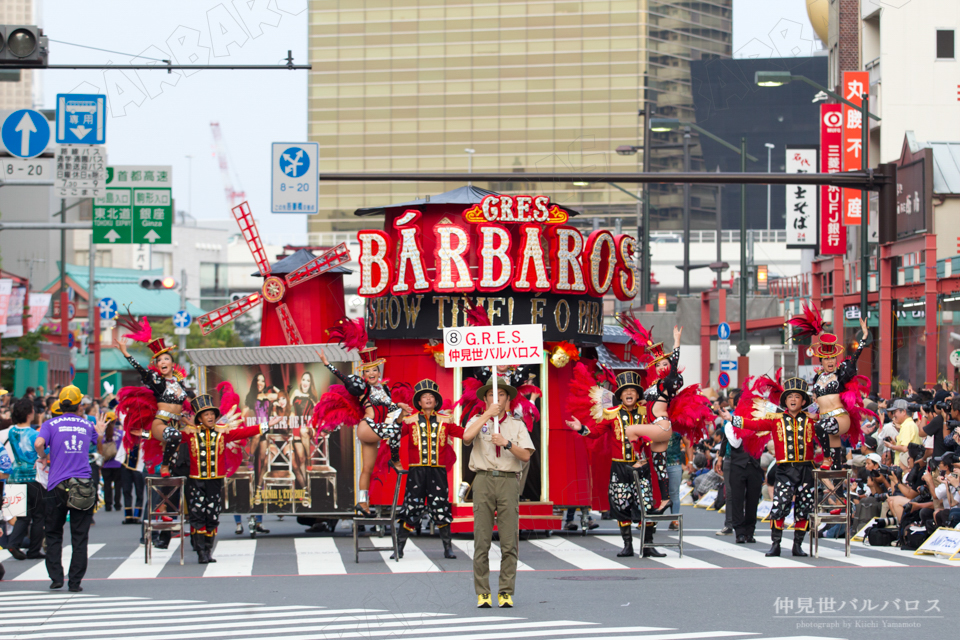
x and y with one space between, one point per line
161 119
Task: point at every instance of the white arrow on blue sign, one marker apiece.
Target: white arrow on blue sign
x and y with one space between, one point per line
728 365
182 319
723 331
81 118
25 133
108 308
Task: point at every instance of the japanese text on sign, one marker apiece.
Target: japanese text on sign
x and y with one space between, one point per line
833 235
801 200
855 83
488 346
81 171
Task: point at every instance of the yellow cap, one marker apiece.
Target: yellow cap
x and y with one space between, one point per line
55 408
71 396
111 416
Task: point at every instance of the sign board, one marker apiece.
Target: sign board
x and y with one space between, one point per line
833 235
942 542
14 501
26 171
490 346
955 358
108 308
855 83
81 118
181 331
706 501
914 191
801 213
182 319
295 184
723 380
763 510
728 365
723 331
81 171
723 350
136 208
686 494
25 133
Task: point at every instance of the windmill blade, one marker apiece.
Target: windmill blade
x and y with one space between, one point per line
248 228
289 327
335 257
228 312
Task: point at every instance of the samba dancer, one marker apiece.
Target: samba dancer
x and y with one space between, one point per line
793 435
837 388
428 451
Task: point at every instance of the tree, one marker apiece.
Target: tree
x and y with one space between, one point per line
25 347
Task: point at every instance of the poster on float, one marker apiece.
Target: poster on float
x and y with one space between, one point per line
291 468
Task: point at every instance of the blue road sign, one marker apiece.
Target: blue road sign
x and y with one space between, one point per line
723 380
294 182
108 309
25 133
81 118
182 319
723 331
294 162
728 365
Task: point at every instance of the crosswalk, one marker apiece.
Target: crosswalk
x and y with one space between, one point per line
36 615
333 556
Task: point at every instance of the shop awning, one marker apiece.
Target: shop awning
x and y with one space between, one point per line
269 355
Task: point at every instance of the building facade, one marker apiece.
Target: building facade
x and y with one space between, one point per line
507 86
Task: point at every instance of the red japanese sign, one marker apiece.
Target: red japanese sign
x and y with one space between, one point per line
833 235
855 83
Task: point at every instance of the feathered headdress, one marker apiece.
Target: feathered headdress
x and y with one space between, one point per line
228 397
808 323
638 334
352 334
476 315
137 330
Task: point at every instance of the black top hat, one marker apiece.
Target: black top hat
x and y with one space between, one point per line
794 385
628 380
204 402
427 386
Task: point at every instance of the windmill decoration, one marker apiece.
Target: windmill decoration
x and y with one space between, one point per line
274 287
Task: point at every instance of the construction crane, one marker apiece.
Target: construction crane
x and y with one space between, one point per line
233 196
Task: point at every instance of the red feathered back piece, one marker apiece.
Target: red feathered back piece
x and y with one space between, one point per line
402 393
690 412
808 323
352 334
228 397
138 407
760 390
477 316
852 399
336 407
640 335
468 402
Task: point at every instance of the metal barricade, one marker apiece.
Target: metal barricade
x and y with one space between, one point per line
164 490
836 486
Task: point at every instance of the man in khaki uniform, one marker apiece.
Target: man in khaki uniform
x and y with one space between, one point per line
496 459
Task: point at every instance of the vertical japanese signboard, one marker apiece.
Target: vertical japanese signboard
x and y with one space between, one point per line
855 83
801 200
833 235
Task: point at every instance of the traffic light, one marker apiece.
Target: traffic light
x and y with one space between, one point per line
159 284
23 46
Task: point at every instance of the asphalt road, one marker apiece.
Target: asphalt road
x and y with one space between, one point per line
570 586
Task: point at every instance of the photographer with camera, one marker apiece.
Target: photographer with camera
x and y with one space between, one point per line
907 431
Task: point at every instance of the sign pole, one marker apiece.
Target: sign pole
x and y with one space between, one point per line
93 317
864 209
64 320
183 305
496 398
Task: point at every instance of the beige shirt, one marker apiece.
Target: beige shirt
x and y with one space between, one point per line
484 454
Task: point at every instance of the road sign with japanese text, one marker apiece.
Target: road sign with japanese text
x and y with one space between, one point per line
81 171
294 177
81 118
833 235
137 206
490 346
855 83
152 216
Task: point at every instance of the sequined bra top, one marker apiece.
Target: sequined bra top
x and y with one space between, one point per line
165 390
665 389
830 384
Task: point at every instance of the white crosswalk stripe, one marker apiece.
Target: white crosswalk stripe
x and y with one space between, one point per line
673 558
39 570
195 620
495 556
576 555
334 556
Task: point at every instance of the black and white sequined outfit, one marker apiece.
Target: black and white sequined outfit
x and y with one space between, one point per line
829 384
385 422
665 389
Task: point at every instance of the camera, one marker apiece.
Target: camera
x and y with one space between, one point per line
913 407
883 523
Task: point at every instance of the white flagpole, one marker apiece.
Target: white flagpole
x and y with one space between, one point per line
496 399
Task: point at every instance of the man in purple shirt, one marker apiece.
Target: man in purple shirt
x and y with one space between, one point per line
68 437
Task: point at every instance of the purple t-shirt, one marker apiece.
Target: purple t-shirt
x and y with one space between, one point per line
69 438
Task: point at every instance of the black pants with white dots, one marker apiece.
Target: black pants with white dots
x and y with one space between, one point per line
427 489
204 501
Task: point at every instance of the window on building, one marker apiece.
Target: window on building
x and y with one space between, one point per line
163 261
945 44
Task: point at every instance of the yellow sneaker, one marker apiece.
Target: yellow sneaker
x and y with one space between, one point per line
484 601
505 600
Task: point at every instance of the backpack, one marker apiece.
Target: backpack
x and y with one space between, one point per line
881 537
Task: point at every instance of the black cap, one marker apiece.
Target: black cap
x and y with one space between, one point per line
870 442
915 451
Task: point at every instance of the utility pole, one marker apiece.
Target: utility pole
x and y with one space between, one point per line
865 210
649 110
743 348
686 213
64 319
93 317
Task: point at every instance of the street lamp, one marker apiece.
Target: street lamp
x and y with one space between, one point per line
673 124
769 149
778 78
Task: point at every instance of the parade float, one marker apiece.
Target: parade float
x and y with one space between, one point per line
434 260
